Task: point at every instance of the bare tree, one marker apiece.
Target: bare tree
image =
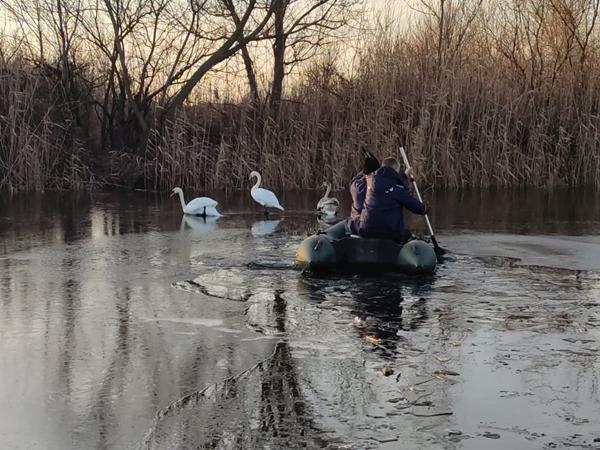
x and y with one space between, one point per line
450 22
541 37
578 18
238 33
300 29
158 51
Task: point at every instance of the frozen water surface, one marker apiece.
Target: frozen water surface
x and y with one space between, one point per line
124 325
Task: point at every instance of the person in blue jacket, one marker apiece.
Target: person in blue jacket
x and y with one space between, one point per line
387 195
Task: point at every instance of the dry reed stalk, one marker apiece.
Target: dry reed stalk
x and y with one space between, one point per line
476 120
37 151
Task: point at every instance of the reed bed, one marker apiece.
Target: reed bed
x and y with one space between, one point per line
475 121
39 148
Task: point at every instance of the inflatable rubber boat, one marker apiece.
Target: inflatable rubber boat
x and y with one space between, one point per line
335 251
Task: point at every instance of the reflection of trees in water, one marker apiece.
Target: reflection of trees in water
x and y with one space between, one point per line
6 287
96 363
113 383
285 415
276 399
524 212
261 406
282 410
69 306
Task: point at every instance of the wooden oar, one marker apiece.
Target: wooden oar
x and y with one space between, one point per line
439 251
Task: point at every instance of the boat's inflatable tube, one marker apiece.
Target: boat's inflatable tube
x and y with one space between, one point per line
333 250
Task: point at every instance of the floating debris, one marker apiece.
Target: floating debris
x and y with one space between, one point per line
373 340
574 352
577 420
452 432
574 340
449 413
414 388
489 435
446 372
427 403
520 317
357 321
386 371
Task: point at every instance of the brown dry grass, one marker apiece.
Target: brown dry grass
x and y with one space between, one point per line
38 147
477 120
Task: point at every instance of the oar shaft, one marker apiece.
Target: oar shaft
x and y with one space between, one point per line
407 164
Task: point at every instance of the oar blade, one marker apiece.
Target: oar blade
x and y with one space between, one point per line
439 251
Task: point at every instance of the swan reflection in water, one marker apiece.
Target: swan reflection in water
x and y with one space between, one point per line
264 227
199 224
326 221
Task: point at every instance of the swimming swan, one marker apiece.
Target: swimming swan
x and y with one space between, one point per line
200 206
263 197
328 205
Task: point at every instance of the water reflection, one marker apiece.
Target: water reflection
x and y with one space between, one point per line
326 221
531 211
380 308
109 313
264 227
261 406
199 225
313 390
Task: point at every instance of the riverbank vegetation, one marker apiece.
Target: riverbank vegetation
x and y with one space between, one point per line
156 93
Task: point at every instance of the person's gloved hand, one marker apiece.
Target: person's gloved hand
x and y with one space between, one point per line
409 173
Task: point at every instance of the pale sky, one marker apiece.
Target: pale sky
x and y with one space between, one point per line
392 9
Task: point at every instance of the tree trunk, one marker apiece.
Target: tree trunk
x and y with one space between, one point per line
442 25
253 84
278 58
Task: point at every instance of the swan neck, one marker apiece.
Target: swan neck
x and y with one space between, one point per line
258 180
327 191
181 199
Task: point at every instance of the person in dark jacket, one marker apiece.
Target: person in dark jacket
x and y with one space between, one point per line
386 197
358 187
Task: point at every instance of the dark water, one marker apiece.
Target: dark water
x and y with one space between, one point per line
124 325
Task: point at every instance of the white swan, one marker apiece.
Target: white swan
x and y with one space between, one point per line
328 206
200 206
263 197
